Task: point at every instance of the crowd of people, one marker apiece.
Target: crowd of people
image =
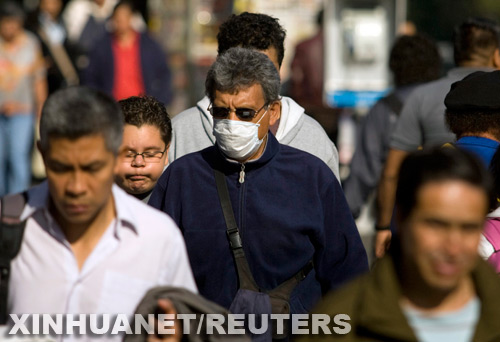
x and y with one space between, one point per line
236 205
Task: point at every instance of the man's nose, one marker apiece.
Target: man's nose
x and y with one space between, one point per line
232 115
76 185
138 160
454 242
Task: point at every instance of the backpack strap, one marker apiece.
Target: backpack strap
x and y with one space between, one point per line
245 276
11 236
394 103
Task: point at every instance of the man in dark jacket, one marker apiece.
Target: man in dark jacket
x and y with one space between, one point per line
126 63
432 285
288 205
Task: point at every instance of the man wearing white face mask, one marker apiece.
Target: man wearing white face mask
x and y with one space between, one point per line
192 128
288 206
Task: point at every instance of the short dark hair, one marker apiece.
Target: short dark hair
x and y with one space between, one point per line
75 112
10 9
252 30
473 123
240 68
147 110
414 59
125 3
438 164
475 38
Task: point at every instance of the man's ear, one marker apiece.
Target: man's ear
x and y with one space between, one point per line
496 59
274 112
39 148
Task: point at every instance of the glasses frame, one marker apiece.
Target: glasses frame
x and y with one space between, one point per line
136 154
229 111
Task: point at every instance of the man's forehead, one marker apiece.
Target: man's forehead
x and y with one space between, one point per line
146 134
451 194
95 142
253 91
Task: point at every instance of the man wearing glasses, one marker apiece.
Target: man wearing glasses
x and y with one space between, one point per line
288 206
146 139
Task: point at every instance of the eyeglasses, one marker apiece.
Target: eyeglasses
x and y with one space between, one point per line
148 156
242 113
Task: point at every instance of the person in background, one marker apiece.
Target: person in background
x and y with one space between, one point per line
307 76
413 60
46 22
193 128
146 139
23 89
85 21
473 113
422 122
432 285
126 63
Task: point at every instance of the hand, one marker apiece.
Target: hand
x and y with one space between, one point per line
167 307
382 242
9 108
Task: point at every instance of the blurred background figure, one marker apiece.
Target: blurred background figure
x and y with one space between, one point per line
23 89
46 22
413 60
126 63
307 77
85 21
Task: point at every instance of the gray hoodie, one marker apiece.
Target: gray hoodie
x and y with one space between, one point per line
192 131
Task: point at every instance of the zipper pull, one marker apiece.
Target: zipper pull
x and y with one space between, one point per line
242 174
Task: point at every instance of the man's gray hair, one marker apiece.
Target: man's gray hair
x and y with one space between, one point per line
76 112
240 68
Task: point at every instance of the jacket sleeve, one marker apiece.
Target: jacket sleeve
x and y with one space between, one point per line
156 73
368 159
340 254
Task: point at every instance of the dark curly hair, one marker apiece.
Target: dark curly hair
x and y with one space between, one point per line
476 38
414 59
467 123
252 30
146 110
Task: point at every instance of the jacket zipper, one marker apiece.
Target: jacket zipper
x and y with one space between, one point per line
242 174
242 199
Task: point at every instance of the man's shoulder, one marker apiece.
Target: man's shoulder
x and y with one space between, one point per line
301 159
147 220
434 88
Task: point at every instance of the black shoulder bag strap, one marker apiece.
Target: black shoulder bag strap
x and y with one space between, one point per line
394 103
245 276
11 236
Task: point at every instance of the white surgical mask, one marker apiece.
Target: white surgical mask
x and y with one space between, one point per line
238 140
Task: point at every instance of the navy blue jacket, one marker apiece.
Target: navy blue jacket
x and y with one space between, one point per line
290 209
155 72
